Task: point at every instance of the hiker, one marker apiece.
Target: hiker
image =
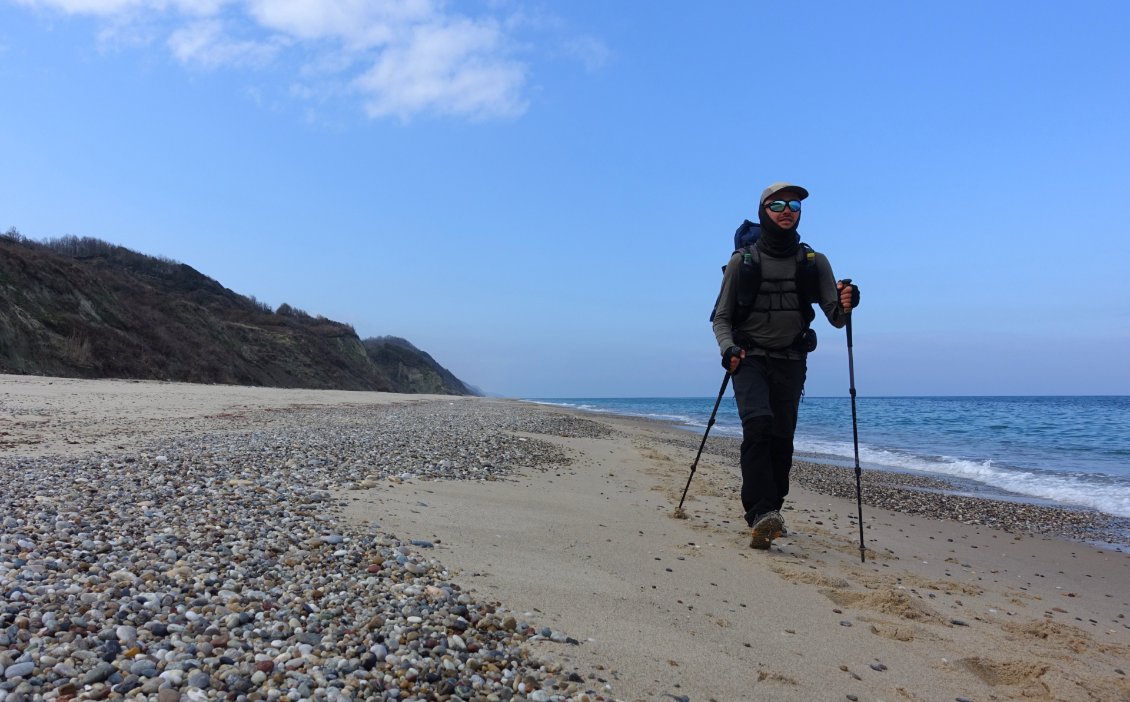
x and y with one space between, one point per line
761 322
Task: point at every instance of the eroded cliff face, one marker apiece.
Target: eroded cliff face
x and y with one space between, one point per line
93 310
410 367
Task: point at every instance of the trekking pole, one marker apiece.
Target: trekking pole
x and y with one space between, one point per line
679 510
855 436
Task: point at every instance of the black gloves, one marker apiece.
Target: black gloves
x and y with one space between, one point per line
846 282
731 353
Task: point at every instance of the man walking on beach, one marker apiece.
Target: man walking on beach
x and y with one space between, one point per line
761 322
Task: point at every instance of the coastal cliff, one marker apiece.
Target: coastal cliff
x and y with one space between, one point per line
85 308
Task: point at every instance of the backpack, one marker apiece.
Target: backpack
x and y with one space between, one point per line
749 279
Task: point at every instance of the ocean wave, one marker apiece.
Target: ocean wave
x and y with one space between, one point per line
684 420
1072 464
1107 494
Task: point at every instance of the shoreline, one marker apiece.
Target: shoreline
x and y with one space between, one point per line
288 544
908 491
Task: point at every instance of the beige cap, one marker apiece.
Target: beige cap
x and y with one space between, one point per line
778 187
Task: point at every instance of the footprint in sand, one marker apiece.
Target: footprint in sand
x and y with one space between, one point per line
895 603
995 673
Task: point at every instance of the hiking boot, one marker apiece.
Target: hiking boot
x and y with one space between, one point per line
767 527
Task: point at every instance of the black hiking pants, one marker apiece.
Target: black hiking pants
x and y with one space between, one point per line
768 392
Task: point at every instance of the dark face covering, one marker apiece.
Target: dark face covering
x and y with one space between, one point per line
775 240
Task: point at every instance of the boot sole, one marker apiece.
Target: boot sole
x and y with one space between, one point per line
764 531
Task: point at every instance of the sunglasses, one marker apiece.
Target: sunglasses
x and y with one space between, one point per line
780 205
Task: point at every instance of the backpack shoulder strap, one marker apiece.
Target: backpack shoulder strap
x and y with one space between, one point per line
750 254
807 277
749 278
805 255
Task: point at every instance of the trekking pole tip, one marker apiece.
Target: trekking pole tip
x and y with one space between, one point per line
679 513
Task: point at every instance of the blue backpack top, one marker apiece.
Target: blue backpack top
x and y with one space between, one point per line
746 235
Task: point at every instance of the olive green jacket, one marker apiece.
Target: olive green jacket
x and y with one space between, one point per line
775 322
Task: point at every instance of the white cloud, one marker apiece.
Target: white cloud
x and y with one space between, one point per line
201 8
103 8
402 57
358 24
591 52
121 33
418 58
116 8
458 67
205 42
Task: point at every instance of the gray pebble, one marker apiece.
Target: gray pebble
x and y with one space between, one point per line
200 679
18 670
143 667
101 673
130 683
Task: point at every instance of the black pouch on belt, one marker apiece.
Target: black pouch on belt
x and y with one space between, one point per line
805 341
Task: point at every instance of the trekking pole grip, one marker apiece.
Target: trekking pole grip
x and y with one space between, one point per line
847 282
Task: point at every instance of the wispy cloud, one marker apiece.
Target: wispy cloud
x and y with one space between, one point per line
590 51
357 24
455 67
206 43
402 57
111 8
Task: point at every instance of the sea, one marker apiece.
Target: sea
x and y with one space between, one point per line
1058 450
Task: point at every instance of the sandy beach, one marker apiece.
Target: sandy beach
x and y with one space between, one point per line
444 548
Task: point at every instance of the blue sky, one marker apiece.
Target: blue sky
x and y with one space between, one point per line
541 194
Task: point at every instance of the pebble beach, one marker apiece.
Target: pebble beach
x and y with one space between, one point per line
167 542
212 566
